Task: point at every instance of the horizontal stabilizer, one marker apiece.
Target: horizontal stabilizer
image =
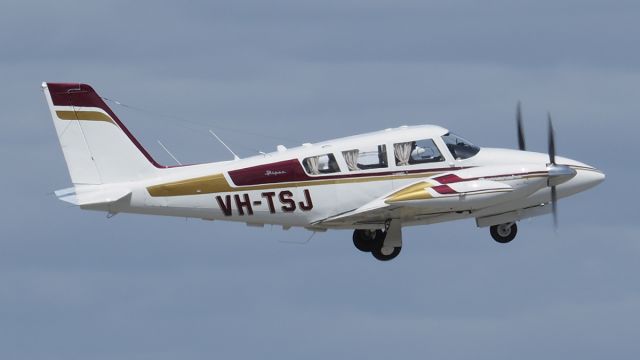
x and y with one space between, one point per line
83 196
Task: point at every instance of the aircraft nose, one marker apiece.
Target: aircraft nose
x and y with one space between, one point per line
592 176
586 178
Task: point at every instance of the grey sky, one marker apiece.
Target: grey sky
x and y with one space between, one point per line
75 285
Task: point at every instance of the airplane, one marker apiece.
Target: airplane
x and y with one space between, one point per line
374 184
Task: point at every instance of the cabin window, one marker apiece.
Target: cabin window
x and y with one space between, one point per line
372 157
321 164
460 148
417 152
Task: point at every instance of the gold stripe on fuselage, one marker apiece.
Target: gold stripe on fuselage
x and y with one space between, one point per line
218 184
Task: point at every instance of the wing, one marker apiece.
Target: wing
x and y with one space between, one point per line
454 192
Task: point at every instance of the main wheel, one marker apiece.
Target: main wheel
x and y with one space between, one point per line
386 253
504 233
367 240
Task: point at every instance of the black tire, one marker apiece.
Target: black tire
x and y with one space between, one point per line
380 255
502 234
367 240
361 241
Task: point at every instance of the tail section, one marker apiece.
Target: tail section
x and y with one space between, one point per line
97 147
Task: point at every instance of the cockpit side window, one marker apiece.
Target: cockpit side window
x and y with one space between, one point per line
417 152
459 147
321 164
371 157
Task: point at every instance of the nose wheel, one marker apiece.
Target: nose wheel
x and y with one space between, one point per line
373 241
504 233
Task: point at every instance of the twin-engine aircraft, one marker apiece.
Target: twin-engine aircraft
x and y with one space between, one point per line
374 183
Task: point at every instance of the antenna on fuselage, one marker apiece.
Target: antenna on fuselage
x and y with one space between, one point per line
235 157
169 152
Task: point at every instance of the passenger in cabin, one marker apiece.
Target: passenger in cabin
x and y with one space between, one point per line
333 166
368 157
321 164
417 152
382 155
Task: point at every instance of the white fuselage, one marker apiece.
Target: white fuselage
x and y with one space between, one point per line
304 203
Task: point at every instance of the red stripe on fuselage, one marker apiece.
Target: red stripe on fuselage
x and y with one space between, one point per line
292 171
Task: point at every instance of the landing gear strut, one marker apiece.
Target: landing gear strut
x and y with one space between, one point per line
504 233
383 245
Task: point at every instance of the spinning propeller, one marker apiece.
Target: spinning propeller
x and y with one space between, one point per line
521 144
557 173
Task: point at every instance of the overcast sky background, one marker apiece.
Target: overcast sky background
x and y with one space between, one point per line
75 285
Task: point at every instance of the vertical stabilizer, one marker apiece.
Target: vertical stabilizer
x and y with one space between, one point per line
97 147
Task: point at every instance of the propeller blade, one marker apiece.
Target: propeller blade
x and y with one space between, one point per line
552 142
521 143
554 206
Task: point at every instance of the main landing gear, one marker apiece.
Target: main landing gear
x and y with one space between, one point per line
386 244
504 233
383 245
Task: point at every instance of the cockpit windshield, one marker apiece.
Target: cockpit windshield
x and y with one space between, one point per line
459 147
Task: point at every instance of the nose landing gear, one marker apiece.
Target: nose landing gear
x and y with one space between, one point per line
504 233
